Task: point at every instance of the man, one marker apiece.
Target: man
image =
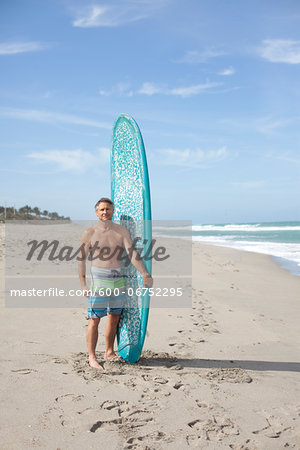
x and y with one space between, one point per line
106 239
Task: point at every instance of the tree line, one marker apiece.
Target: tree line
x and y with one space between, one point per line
28 213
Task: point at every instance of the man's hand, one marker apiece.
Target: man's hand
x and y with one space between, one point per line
148 280
85 289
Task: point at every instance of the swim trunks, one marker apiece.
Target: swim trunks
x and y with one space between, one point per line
107 292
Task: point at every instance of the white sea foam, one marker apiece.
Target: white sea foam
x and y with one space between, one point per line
229 227
280 250
244 227
258 238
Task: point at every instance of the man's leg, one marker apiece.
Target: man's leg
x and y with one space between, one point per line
110 334
91 340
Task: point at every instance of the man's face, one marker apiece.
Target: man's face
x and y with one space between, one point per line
104 211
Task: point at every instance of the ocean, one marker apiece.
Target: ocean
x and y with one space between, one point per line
281 240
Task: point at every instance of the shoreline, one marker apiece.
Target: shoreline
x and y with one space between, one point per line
287 264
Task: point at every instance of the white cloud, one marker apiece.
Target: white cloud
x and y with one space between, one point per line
287 156
196 56
122 89
271 126
93 16
120 13
13 48
249 184
72 160
190 158
195 89
184 91
226 72
51 117
150 89
280 50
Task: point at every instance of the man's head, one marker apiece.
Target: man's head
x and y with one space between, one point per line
104 209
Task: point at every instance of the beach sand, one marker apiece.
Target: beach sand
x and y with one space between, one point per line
223 373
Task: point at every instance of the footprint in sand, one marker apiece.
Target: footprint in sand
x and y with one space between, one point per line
194 440
158 380
248 445
197 316
202 404
133 420
214 428
109 410
58 360
234 375
196 340
69 398
112 404
111 415
179 386
177 344
147 441
233 286
273 429
24 371
208 328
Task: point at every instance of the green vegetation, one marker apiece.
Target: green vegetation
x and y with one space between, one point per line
28 213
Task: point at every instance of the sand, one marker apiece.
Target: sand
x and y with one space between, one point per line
222 373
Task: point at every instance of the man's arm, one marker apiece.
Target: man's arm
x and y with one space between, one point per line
135 259
85 247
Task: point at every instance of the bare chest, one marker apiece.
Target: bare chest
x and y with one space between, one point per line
108 239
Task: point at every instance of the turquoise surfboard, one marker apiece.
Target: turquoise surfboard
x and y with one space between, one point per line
130 193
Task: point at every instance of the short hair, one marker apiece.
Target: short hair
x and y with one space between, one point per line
104 200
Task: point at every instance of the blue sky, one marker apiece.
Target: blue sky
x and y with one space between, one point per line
214 86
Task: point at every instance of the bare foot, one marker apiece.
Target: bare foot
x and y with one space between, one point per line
94 363
110 355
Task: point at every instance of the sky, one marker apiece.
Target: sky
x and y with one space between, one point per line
214 86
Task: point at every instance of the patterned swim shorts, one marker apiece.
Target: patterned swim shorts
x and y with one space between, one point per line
107 292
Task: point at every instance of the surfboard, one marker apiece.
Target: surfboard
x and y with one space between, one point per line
130 192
